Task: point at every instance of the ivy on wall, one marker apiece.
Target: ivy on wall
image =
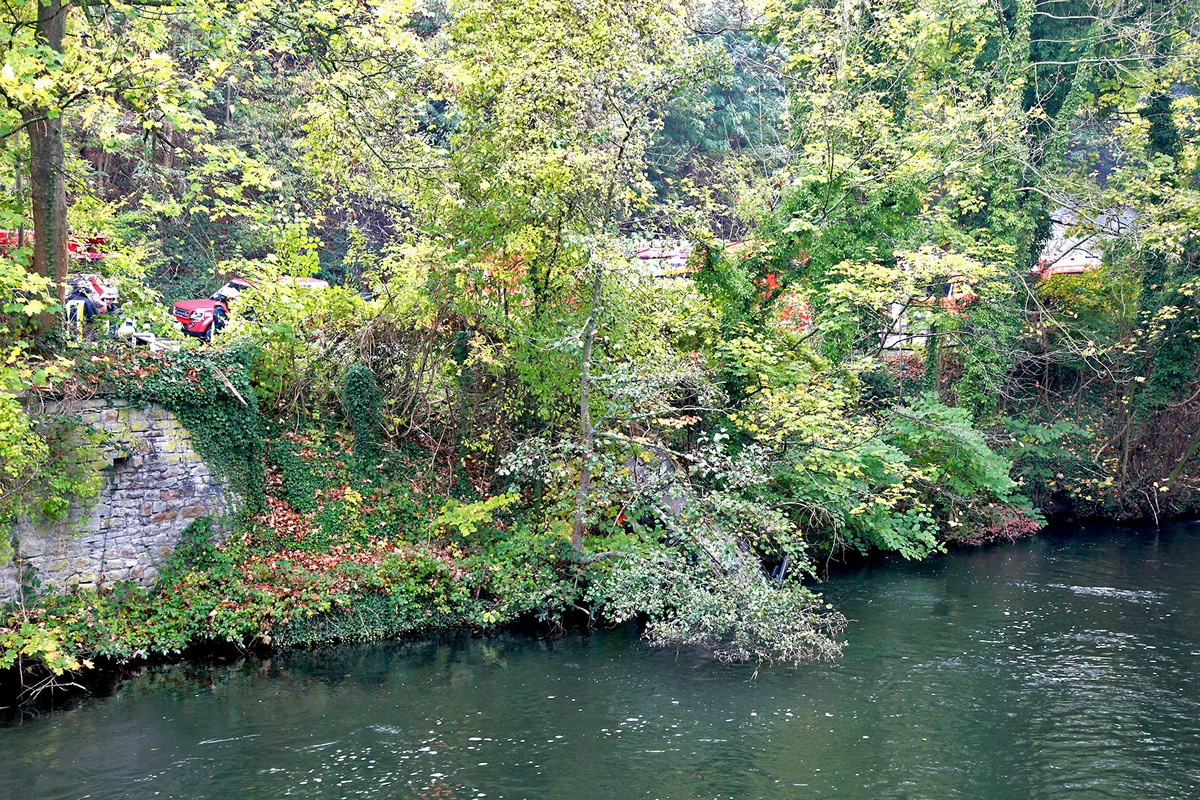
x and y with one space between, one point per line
209 391
47 462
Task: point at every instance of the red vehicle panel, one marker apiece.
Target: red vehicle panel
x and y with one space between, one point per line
204 318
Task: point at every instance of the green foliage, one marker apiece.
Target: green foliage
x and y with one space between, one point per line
41 644
1101 303
195 551
858 470
466 518
1170 329
719 601
47 462
370 618
245 591
298 471
949 454
1048 466
483 168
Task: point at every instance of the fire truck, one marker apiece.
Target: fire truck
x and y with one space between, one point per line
79 248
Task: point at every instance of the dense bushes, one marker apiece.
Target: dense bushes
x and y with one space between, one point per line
860 373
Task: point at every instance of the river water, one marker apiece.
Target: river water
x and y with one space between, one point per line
1059 667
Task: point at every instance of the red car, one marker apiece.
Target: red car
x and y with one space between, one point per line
205 318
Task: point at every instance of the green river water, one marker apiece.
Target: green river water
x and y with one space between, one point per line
1064 666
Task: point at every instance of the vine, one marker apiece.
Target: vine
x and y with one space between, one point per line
362 400
209 391
47 461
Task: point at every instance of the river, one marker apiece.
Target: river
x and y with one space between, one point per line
1062 666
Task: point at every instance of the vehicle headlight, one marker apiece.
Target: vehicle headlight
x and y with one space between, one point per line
197 315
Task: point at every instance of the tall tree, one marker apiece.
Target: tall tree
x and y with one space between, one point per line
41 118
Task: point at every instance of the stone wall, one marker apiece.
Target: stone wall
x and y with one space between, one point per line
155 485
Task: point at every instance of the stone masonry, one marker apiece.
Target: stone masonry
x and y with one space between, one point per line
155 484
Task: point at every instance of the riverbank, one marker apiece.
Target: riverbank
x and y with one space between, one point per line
1060 666
342 549
221 603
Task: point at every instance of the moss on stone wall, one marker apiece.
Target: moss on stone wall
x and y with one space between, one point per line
155 484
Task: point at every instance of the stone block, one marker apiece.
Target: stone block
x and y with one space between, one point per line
155 483
31 548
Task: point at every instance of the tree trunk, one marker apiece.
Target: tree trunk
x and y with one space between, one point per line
19 189
585 416
47 163
48 190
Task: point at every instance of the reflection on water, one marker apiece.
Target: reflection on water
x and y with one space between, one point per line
1058 667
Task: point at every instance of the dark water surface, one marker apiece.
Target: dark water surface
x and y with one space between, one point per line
1060 667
